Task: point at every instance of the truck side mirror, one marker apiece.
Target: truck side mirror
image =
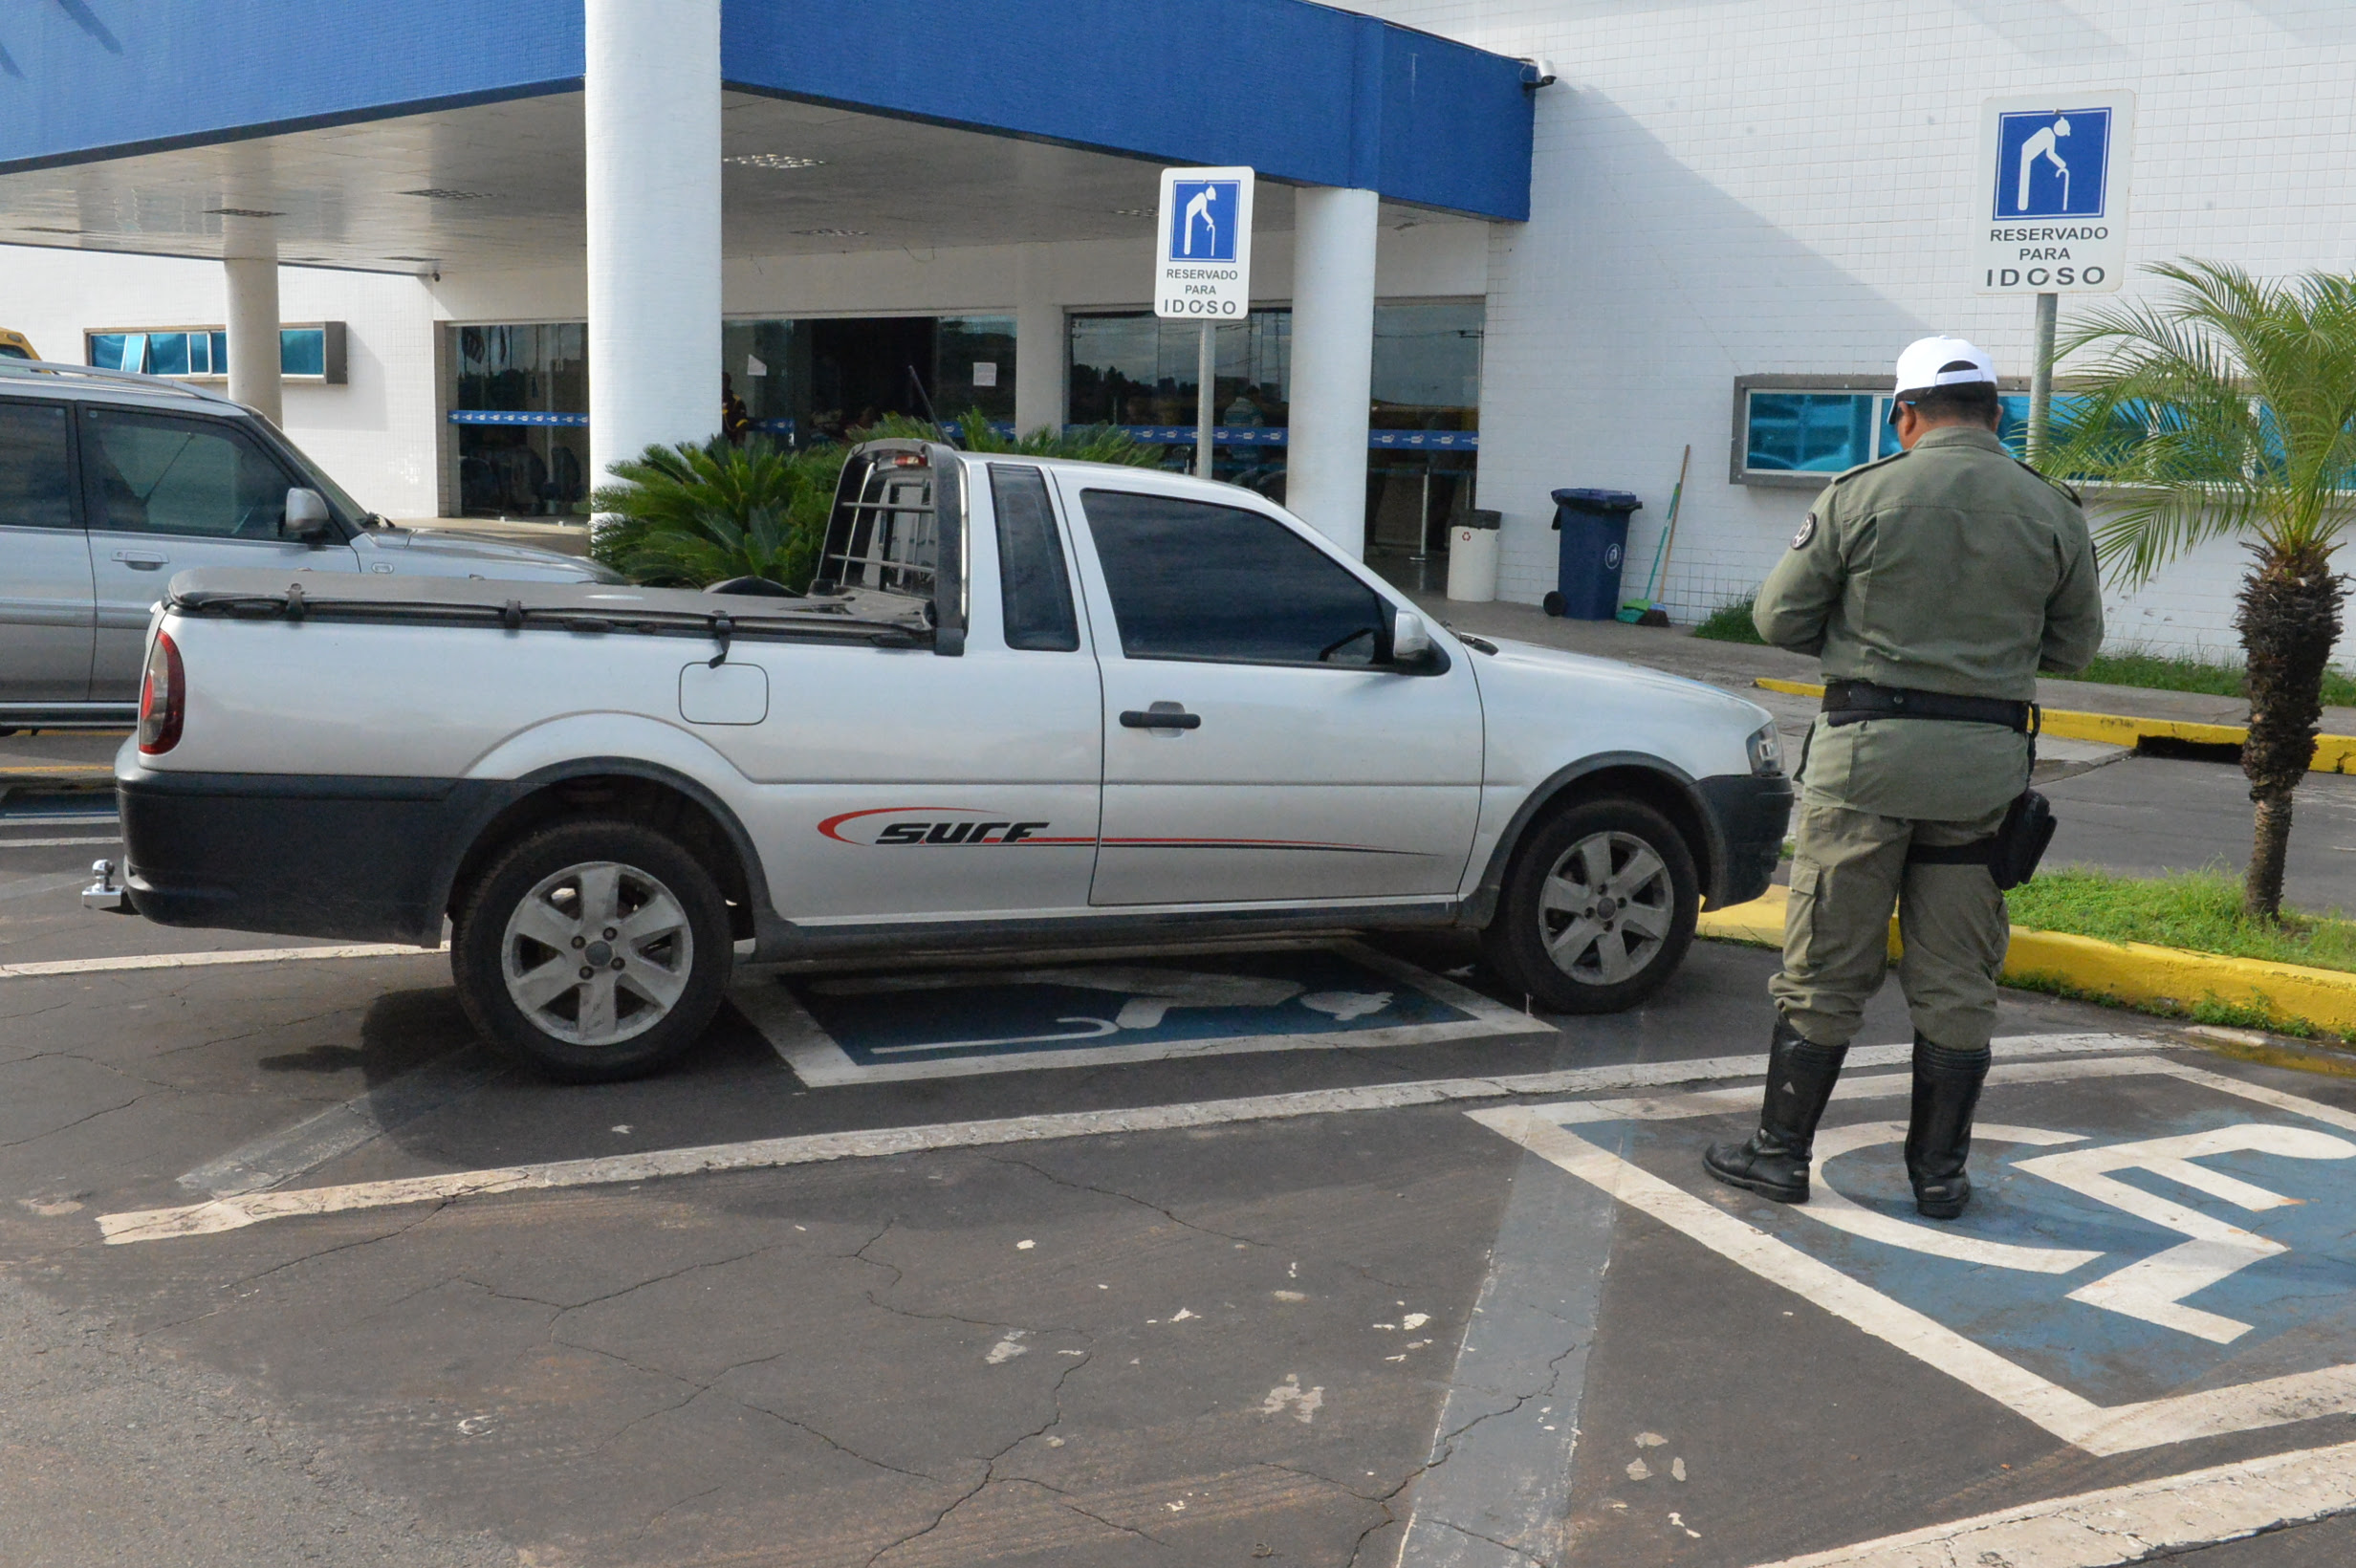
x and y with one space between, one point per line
306 518
1412 652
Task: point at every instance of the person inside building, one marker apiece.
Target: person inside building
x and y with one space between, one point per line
1935 584
735 419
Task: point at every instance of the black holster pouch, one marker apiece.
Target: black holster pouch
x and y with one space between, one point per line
2012 853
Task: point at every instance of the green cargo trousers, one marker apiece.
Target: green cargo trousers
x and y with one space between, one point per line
1848 870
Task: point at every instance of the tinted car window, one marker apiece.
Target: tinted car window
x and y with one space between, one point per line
156 474
1190 579
1033 584
35 488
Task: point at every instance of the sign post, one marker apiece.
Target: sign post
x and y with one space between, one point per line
2050 213
1203 273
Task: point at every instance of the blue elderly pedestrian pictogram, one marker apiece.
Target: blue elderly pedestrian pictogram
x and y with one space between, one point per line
1204 217
2051 164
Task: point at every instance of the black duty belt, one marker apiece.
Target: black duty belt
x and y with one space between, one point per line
1853 701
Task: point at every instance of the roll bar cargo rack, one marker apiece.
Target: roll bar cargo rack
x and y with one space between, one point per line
899 527
31 369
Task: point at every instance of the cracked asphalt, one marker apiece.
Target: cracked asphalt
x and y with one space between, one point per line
1224 1345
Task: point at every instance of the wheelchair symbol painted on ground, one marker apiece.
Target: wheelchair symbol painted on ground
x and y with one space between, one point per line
2154 1252
1076 1012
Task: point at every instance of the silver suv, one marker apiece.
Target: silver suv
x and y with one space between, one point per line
111 483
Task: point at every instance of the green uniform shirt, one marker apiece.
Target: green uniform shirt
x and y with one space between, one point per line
1948 568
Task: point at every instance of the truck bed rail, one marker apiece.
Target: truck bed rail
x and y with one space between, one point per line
536 608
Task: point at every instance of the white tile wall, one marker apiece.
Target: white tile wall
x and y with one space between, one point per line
375 435
1736 186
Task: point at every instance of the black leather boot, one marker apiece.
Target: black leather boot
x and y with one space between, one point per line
1775 1162
1938 1139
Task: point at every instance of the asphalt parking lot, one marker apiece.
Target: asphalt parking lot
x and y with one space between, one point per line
1308 1252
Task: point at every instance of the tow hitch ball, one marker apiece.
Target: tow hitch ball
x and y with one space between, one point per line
103 893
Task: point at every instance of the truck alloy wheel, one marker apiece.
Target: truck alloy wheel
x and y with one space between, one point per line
598 953
595 950
1597 907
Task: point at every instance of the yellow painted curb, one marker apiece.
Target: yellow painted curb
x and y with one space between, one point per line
2333 753
2134 972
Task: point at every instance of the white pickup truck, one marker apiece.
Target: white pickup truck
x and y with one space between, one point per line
1027 701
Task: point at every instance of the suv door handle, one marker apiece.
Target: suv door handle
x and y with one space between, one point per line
1161 716
142 561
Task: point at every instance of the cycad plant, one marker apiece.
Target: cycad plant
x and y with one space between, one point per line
686 515
2226 406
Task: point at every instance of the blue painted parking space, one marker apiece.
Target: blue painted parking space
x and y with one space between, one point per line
2153 1252
1070 1012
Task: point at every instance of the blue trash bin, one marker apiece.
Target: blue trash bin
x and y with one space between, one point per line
1594 525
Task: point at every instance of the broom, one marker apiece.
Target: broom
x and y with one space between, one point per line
1645 612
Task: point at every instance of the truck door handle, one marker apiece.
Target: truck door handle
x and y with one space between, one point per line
142 561
1161 716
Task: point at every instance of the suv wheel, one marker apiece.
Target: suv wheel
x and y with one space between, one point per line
594 950
1597 907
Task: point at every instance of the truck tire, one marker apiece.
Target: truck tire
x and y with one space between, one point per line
591 951
1597 907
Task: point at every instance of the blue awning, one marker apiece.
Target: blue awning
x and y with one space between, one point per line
1302 92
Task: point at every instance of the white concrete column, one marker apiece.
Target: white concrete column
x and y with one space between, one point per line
653 121
249 257
1333 362
1040 347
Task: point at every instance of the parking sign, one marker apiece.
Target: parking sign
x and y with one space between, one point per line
1203 258
2050 202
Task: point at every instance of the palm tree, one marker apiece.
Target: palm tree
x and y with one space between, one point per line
2227 406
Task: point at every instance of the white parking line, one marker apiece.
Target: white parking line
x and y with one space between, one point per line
57 844
275 1160
232 1214
2126 1524
197 961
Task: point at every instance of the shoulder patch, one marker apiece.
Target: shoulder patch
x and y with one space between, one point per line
1868 467
1808 532
2056 484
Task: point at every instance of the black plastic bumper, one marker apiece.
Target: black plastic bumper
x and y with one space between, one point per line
361 860
1749 815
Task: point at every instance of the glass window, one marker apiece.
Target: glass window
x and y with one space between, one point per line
119 350
1136 369
973 362
1193 580
35 490
534 368
302 350
1033 584
156 474
1813 432
820 379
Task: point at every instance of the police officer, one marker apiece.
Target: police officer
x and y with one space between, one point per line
1935 584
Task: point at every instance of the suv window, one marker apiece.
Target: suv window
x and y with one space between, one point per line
1191 579
157 473
35 486
1033 585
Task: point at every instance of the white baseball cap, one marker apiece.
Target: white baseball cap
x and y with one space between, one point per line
1942 362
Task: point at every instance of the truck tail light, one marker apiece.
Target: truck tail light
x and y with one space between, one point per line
163 698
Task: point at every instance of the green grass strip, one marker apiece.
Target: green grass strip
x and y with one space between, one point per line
2197 910
1730 624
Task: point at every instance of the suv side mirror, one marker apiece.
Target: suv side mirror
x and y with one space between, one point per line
1413 651
306 518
